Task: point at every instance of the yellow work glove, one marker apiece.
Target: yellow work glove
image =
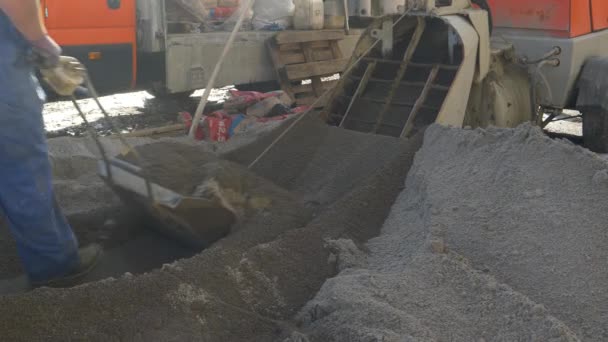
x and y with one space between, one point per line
66 76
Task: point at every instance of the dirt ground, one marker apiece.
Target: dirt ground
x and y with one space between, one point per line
346 249
248 285
130 111
498 235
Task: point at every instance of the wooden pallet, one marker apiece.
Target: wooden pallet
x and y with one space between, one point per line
304 60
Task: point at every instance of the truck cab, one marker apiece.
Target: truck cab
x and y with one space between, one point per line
100 33
128 44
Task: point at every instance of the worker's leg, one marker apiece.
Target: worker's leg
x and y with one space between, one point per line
45 241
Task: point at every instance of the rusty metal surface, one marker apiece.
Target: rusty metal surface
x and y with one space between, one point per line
537 14
599 14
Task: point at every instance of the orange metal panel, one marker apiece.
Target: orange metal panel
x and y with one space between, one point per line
93 36
580 17
71 14
599 12
565 18
92 22
537 14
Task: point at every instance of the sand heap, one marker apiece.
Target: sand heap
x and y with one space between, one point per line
500 235
333 184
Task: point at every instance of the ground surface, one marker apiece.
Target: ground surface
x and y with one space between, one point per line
131 111
482 233
480 243
248 285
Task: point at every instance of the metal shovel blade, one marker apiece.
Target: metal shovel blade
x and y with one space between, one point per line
192 220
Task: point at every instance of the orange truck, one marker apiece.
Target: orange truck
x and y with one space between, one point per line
128 44
102 33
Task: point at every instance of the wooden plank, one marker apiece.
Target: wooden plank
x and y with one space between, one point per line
279 67
323 55
297 46
360 89
335 49
307 88
308 70
316 86
315 80
409 125
284 37
296 57
407 58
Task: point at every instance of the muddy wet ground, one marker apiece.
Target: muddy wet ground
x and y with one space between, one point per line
130 111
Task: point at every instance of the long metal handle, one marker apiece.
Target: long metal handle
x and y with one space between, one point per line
139 159
201 106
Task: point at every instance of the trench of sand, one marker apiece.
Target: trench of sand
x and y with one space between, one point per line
303 268
323 182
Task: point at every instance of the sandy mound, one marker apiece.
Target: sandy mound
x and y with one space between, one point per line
249 284
524 218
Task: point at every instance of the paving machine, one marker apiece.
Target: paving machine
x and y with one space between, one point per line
478 63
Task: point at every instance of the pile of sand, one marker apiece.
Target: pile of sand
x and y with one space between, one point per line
333 185
500 235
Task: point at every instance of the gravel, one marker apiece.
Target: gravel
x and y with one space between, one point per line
500 235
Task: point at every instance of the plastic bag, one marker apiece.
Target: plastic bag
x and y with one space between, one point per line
240 100
195 8
273 14
217 126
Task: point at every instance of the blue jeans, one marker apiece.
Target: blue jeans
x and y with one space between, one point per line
46 244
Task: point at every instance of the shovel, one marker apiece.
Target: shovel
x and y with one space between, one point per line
197 221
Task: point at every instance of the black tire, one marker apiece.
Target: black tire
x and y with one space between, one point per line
175 96
160 92
262 87
595 129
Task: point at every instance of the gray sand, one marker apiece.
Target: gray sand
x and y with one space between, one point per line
517 224
248 285
498 236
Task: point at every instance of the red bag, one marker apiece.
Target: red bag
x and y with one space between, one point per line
218 125
186 118
222 12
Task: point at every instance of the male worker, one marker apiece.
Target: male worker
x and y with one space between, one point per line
46 244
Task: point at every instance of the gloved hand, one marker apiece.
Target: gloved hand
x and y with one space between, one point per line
47 52
66 76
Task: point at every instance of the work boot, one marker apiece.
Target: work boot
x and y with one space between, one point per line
89 256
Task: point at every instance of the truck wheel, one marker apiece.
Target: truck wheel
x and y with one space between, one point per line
262 87
174 96
593 103
595 129
161 93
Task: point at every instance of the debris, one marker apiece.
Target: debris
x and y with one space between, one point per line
269 107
